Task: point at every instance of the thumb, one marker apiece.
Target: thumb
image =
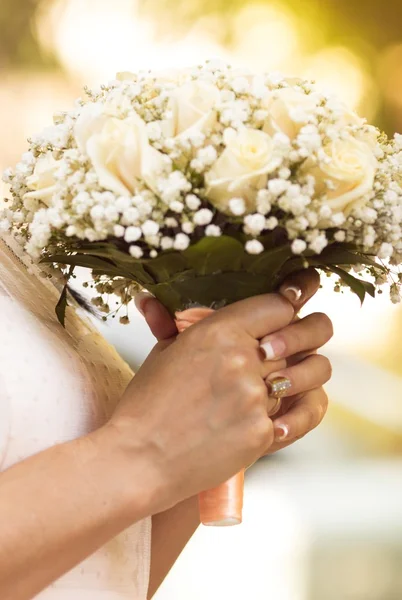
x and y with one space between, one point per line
159 321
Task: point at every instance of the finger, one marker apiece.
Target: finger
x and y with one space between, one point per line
300 287
311 373
309 333
305 415
156 315
257 316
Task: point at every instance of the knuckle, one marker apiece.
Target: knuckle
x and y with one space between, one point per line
261 434
216 330
325 325
322 406
256 394
317 414
326 368
236 359
286 308
312 417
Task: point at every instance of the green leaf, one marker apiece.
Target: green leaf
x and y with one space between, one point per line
90 262
339 255
358 286
133 270
215 290
215 255
166 266
269 262
61 306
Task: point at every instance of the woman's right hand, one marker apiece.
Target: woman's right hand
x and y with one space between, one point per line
197 411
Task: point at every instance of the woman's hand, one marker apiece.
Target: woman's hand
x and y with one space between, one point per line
290 352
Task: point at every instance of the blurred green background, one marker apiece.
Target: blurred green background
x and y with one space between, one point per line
336 497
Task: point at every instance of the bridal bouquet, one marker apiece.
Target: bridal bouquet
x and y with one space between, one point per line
209 185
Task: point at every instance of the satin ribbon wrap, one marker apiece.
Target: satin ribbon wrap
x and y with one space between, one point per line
223 505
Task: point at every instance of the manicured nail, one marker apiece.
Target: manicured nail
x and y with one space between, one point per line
273 348
141 300
293 293
281 432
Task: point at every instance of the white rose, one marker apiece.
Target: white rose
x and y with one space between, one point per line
242 169
119 150
90 122
348 176
43 181
193 108
289 110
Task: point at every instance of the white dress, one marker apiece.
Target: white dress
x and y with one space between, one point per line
55 385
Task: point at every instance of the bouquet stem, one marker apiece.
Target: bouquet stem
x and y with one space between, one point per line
223 505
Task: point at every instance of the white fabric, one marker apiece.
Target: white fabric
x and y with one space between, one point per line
55 385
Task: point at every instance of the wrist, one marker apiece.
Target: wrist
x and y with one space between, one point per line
131 474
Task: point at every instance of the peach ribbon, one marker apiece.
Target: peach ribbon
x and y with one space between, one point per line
223 505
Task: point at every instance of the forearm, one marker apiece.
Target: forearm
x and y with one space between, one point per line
171 530
59 507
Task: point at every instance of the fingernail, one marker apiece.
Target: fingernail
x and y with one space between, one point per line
281 432
273 348
292 293
141 300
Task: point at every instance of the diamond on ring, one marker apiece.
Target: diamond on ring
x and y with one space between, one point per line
279 386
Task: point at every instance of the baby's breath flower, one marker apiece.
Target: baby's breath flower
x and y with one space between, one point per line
181 242
277 186
254 247
176 206
325 212
122 204
166 243
254 224
193 202
119 231
386 250
150 228
131 216
298 246
264 202
213 231
132 234
8 175
171 222
240 85
188 227
237 206
136 251
319 243
338 219
203 216
271 223
284 173
207 155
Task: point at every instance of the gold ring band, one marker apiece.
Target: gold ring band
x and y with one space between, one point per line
275 409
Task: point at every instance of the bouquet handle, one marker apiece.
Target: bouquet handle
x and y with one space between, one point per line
221 506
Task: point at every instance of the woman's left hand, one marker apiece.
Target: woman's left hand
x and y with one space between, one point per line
290 353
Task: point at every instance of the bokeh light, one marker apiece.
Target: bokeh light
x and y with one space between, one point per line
266 38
